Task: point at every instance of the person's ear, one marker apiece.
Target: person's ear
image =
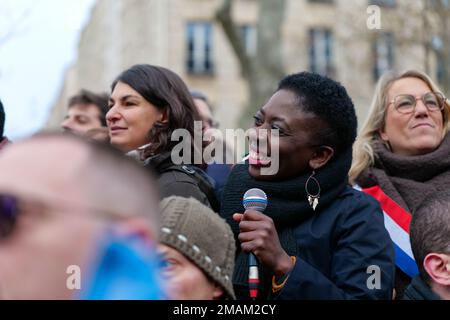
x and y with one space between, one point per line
136 226
383 135
217 292
437 265
164 116
320 157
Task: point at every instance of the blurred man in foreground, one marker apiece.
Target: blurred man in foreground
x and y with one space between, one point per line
77 220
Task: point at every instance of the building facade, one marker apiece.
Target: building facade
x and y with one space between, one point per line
326 36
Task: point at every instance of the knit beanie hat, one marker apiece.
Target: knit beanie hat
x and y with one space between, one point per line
202 236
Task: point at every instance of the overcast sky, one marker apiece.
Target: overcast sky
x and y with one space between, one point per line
33 60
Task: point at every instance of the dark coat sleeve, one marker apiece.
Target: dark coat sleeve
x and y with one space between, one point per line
360 245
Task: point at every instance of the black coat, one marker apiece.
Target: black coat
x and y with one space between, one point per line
337 249
337 246
183 181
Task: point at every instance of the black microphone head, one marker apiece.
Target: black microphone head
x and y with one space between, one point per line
255 199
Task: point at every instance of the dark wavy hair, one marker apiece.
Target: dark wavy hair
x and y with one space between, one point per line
167 92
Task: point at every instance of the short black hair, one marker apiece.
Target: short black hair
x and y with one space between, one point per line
430 229
100 100
2 120
329 101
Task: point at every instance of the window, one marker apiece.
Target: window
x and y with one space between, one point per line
384 54
248 34
438 4
438 46
384 3
322 1
199 48
440 68
321 51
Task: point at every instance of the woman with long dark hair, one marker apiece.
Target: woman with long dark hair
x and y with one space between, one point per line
147 104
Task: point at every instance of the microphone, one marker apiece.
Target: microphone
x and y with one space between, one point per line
254 199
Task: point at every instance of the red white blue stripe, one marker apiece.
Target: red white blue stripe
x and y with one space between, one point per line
396 221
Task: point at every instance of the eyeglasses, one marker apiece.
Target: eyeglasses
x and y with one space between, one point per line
406 103
11 207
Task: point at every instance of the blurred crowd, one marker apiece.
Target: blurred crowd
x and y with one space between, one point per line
102 210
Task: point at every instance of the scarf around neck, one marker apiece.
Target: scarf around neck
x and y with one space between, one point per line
287 206
409 180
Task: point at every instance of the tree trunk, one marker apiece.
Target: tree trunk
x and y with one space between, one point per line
263 71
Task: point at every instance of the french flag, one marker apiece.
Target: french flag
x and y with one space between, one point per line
396 221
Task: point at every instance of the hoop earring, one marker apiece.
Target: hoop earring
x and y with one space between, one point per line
313 199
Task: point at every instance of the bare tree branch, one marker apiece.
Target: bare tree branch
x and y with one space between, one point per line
263 71
16 26
271 18
223 15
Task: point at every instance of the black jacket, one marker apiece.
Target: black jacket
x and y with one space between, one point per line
342 248
181 180
419 290
339 251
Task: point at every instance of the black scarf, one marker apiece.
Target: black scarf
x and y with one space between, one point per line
409 180
287 206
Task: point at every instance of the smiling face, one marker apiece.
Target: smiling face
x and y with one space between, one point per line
417 133
298 151
130 118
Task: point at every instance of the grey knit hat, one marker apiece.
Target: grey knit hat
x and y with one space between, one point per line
202 236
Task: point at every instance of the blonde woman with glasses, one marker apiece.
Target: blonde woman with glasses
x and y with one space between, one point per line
402 156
